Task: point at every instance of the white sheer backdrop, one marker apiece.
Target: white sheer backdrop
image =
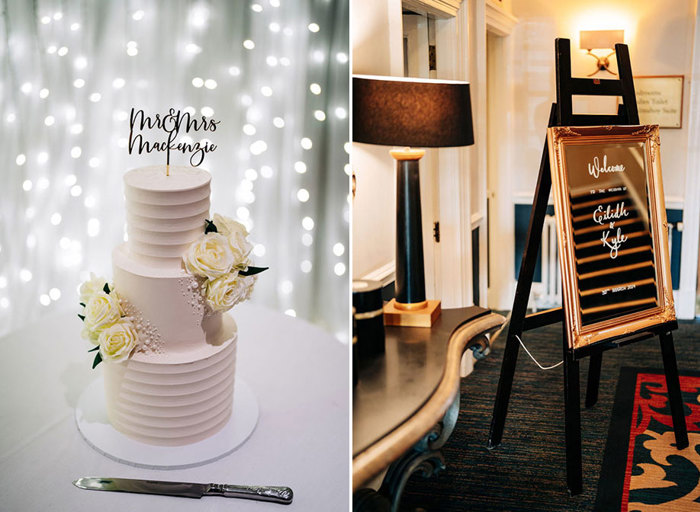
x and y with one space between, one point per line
274 72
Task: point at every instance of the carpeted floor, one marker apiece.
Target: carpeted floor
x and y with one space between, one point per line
527 472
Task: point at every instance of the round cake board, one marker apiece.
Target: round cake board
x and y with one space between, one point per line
91 417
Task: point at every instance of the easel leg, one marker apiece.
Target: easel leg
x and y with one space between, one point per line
505 384
673 385
572 406
522 294
594 365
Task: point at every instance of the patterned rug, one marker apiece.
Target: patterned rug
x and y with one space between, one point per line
642 469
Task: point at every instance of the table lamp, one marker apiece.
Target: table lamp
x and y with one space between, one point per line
410 113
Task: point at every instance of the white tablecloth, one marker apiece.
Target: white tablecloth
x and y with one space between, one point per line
298 372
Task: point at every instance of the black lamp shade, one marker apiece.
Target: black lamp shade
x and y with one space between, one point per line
411 112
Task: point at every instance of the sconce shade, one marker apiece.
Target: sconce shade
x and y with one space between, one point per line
419 113
600 39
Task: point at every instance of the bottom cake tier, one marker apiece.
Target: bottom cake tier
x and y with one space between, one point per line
174 399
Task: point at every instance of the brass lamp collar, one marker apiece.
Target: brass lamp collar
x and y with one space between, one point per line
407 153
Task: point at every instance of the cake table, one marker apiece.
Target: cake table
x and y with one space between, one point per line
298 372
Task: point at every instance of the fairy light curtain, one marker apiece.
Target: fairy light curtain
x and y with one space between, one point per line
274 72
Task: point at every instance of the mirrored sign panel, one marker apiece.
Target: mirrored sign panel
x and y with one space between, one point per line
611 228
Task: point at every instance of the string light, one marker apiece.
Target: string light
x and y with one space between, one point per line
44 93
93 227
338 249
118 83
207 111
138 15
306 266
300 167
286 287
290 312
315 88
62 51
306 143
210 83
234 71
307 223
258 147
248 44
74 27
49 120
340 113
320 115
313 27
278 122
20 159
192 49
303 195
95 97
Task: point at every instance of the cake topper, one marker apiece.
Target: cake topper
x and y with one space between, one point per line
171 123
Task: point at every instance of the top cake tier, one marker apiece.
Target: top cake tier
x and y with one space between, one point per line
165 213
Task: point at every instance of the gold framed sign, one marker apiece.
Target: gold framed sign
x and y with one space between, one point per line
611 229
660 100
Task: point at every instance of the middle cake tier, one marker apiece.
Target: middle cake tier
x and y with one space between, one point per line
166 304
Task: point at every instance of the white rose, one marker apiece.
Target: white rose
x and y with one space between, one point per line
209 257
237 236
226 291
101 311
89 288
118 341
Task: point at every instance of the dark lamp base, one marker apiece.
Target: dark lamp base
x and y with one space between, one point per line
395 314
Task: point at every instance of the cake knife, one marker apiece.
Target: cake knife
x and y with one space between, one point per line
282 495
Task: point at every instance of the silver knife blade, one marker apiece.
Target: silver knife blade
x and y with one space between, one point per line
283 495
187 490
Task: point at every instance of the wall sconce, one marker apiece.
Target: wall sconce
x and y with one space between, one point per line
601 40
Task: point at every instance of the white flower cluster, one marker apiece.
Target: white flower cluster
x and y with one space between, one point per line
104 323
219 257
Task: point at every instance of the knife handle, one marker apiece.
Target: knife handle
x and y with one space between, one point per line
282 495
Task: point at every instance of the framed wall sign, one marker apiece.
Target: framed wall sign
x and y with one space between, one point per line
612 231
660 100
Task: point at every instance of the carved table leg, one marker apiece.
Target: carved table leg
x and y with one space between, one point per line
425 457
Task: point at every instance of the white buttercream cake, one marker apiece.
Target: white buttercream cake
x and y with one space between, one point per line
177 388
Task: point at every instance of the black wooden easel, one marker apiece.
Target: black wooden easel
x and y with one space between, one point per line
561 114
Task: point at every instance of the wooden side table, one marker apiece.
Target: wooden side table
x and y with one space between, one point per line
406 403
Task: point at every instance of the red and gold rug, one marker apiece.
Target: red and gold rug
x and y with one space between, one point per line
642 469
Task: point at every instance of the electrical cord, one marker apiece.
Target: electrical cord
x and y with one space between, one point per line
535 360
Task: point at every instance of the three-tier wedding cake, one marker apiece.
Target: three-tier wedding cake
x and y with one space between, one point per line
169 347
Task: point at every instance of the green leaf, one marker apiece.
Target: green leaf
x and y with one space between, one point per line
82 304
209 227
94 348
106 288
82 317
252 271
98 360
